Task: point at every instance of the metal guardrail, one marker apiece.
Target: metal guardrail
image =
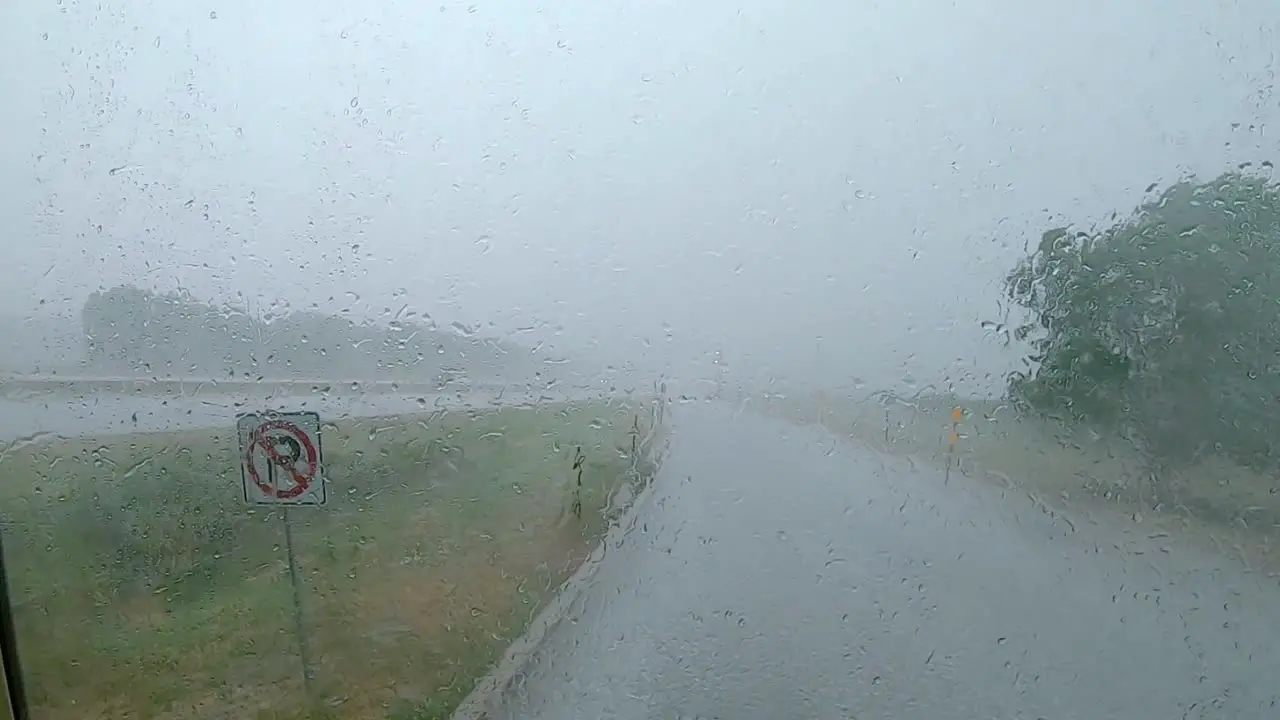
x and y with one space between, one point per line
83 384
33 384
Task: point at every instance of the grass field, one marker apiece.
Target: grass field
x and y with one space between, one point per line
1059 463
145 587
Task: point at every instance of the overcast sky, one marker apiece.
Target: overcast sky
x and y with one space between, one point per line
822 190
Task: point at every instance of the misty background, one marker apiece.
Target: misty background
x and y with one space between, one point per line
827 194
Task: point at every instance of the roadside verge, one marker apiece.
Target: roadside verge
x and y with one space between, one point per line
625 508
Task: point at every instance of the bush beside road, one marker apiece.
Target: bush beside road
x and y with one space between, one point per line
145 587
1159 327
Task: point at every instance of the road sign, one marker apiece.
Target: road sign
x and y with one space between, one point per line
280 459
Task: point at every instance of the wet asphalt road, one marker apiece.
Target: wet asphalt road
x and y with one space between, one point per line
776 573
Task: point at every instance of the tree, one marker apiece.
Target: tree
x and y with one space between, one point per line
134 331
1164 324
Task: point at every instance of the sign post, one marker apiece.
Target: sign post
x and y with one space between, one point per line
281 465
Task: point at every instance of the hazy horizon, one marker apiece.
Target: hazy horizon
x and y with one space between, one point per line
827 194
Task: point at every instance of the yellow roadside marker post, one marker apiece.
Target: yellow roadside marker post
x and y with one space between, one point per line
956 415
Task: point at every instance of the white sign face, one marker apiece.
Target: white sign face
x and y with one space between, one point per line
280 459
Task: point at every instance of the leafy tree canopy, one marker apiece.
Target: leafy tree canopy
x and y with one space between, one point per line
1164 323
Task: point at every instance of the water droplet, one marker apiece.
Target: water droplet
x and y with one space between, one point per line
213 14
355 101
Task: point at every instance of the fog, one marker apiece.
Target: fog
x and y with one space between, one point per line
825 193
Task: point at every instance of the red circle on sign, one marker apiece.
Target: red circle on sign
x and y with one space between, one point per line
301 479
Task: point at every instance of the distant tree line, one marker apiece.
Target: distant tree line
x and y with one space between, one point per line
132 331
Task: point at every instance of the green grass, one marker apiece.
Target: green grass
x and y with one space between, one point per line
1046 457
145 587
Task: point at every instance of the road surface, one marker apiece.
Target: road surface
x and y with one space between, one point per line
777 573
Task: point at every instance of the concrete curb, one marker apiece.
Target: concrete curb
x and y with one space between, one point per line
481 702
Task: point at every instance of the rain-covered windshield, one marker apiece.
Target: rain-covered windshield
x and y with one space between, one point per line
728 359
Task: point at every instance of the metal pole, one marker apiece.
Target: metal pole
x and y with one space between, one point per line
299 625
304 650
578 459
